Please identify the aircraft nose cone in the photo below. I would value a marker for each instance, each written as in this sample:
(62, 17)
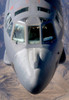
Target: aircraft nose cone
(32, 74)
(27, 74)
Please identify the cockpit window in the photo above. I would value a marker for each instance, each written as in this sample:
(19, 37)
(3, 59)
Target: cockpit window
(8, 24)
(18, 34)
(34, 34)
(48, 33)
(44, 9)
(21, 10)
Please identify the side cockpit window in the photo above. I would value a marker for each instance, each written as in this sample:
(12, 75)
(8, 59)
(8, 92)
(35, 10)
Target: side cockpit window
(42, 9)
(34, 34)
(48, 34)
(8, 24)
(18, 34)
(21, 11)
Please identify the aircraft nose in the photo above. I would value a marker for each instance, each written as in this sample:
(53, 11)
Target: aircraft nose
(30, 72)
(27, 75)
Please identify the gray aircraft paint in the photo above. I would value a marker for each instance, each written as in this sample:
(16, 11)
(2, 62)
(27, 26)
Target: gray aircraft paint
(34, 64)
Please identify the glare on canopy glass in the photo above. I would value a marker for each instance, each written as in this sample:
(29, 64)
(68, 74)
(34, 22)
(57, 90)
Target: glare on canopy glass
(48, 34)
(18, 34)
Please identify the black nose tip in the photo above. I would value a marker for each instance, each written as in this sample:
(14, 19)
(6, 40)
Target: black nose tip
(36, 90)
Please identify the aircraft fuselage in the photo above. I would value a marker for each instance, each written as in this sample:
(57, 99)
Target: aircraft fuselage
(33, 31)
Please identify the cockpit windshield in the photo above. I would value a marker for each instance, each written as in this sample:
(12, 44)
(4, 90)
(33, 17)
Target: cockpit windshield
(48, 33)
(34, 34)
(19, 33)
